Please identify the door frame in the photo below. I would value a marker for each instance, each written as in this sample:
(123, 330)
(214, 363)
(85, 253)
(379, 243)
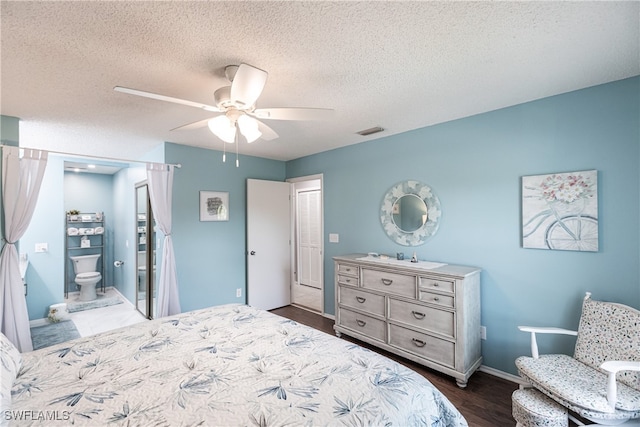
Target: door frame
(149, 252)
(294, 217)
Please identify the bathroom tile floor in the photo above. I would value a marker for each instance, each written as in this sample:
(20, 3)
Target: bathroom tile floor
(91, 322)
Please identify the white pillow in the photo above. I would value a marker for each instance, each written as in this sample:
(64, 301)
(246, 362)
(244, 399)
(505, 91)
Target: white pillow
(10, 364)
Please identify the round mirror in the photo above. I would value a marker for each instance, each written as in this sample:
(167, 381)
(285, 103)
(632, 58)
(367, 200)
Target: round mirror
(409, 213)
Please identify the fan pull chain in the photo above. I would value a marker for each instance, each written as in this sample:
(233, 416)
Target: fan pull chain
(224, 152)
(237, 143)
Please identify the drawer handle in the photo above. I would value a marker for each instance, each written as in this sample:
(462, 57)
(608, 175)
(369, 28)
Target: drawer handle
(348, 269)
(348, 280)
(386, 282)
(436, 299)
(361, 299)
(418, 315)
(418, 343)
(435, 284)
(360, 322)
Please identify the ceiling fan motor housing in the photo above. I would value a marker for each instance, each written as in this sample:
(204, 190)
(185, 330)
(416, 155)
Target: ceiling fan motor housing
(230, 71)
(222, 98)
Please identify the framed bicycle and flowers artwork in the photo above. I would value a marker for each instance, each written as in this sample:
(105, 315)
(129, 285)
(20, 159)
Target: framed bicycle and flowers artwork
(560, 211)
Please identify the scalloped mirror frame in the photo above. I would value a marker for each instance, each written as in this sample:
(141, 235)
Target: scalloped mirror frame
(422, 234)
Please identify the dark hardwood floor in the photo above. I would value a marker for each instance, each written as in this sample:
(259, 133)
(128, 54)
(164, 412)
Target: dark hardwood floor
(485, 402)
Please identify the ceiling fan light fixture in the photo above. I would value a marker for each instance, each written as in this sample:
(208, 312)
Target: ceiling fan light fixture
(222, 127)
(249, 128)
(252, 135)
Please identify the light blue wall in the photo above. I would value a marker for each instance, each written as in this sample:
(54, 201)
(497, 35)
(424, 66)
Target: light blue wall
(89, 192)
(211, 256)
(475, 165)
(9, 130)
(45, 275)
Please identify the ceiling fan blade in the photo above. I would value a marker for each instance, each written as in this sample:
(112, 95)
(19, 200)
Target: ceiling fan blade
(247, 85)
(165, 98)
(194, 125)
(294, 113)
(267, 133)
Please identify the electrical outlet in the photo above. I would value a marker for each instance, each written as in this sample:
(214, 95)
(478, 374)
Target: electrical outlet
(42, 247)
(483, 332)
(334, 238)
(239, 293)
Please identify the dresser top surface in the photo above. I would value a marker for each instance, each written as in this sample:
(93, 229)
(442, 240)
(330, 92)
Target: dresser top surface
(421, 267)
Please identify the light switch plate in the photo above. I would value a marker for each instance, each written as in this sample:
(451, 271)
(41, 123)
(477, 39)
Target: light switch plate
(42, 247)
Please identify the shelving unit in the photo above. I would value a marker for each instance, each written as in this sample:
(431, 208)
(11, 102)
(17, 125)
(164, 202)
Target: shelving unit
(141, 243)
(142, 232)
(90, 228)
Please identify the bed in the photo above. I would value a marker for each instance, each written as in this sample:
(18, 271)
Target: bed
(225, 366)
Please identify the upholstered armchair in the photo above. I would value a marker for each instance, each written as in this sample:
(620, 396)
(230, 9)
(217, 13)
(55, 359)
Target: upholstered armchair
(601, 382)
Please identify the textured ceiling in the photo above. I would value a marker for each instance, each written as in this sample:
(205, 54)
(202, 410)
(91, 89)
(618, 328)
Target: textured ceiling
(398, 65)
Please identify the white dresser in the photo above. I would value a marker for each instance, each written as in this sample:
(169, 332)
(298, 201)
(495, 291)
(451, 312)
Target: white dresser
(425, 312)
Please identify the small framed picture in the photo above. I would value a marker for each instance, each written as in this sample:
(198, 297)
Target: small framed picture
(214, 206)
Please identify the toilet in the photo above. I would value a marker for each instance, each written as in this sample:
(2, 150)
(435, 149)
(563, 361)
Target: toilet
(87, 277)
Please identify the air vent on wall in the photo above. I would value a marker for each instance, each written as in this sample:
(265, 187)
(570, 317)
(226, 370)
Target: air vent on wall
(370, 131)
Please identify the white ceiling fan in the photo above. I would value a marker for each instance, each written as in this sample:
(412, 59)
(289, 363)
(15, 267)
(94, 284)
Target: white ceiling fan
(237, 107)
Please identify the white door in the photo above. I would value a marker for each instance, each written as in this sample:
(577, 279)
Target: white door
(268, 244)
(309, 238)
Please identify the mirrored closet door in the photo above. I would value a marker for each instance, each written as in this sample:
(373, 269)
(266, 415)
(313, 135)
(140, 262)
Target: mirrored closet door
(145, 260)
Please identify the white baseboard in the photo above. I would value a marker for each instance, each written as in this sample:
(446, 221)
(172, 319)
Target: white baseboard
(501, 374)
(125, 299)
(38, 322)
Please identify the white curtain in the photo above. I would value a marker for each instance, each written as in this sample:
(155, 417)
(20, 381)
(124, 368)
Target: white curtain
(21, 179)
(160, 183)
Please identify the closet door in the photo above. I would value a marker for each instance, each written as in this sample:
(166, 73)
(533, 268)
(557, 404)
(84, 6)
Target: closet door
(309, 238)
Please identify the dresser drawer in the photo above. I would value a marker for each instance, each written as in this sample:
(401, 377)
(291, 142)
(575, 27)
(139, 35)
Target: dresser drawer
(431, 283)
(361, 300)
(419, 316)
(441, 300)
(436, 349)
(348, 280)
(394, 283)
(366, 325)
(348, 269)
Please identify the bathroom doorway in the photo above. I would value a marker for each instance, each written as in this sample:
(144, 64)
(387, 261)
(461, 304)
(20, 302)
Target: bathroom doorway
(90, 186)
(89, 228)
(145, 245)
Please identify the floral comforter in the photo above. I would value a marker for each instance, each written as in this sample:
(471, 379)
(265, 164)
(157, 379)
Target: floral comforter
(230, 365)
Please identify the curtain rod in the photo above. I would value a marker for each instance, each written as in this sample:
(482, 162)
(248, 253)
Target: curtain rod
(177, 165)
